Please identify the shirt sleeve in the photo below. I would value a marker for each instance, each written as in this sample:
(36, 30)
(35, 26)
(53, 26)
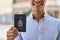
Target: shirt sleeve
(58, 36)
(19, 37)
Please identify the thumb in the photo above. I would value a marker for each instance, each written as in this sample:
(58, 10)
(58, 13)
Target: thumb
(11, 28)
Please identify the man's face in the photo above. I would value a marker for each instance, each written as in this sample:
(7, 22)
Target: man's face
(37, 5)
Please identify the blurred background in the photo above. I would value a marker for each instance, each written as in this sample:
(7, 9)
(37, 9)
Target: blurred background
(10, 7)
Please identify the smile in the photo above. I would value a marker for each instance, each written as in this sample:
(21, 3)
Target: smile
(38, 3)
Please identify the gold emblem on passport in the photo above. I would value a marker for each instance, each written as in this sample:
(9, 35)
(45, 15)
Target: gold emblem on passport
(20, 23)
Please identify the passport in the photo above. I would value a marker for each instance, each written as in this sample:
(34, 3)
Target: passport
(20, 22)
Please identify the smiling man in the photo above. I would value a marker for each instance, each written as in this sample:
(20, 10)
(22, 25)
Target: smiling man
(39, 26)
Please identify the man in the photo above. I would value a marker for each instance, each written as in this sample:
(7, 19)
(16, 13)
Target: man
(39, 26)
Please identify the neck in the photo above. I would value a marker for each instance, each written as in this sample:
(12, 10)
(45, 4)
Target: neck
(38, 16)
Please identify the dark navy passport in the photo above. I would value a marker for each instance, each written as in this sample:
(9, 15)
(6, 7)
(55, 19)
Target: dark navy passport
(20, 22)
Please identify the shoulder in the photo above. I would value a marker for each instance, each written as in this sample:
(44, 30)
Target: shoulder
(52, 19)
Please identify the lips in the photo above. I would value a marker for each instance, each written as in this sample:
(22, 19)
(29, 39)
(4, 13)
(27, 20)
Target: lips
(35, 4)
(38, 3)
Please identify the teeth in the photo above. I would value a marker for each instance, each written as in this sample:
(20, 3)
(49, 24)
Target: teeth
(37, 4)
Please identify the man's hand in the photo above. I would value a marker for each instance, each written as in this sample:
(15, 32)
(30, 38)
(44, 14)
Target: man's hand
(12, 33)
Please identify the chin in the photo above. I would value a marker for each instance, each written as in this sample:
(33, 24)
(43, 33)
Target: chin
(39, 11)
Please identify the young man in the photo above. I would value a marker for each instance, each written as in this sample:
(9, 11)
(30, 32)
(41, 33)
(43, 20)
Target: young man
(39, 26)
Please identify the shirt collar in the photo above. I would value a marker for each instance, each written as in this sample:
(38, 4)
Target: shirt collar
(34, 16)
(44, 17)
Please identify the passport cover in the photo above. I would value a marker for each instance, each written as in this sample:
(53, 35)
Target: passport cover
(20, 22)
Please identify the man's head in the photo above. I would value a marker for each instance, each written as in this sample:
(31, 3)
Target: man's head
(38, 5)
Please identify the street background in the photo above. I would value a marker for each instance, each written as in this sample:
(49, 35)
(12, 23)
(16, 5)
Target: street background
(10, 7)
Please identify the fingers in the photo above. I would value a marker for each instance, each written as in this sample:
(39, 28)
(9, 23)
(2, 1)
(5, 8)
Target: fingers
(14, 30)
(12, 33)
